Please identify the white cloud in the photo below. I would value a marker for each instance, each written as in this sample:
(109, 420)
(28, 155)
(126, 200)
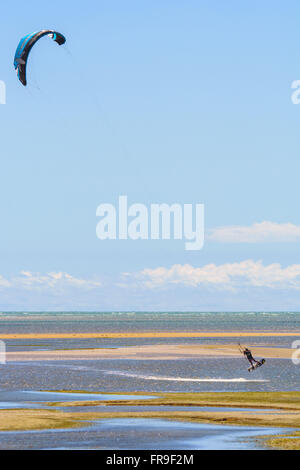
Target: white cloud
(4, 282)
(54, 280)
(230, 276)
(257, 233)
(246, 285)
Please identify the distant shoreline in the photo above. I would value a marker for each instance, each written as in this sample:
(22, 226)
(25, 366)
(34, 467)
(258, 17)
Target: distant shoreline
(151, 334)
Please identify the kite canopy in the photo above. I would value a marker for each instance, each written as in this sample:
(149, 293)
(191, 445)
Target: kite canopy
(25, 46)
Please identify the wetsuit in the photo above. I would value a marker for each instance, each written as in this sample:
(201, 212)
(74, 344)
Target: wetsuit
(249, 356)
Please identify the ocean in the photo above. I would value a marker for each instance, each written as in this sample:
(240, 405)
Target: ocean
(63, 322)
(128, 375)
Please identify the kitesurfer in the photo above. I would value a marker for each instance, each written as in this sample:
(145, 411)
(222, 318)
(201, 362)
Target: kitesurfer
(248, 354)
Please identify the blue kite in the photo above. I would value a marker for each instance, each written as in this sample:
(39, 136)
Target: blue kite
(25, 46)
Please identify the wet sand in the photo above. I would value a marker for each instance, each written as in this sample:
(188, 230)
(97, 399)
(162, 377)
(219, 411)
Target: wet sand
(150, 352)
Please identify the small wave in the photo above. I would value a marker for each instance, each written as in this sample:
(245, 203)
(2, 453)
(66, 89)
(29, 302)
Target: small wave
(182, 379)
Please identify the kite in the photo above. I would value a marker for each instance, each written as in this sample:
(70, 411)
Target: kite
(25, 46)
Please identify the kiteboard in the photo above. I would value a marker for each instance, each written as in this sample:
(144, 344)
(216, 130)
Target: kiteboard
(258, 364)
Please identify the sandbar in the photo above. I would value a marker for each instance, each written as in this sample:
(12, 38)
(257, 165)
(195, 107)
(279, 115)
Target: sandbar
(150, 352)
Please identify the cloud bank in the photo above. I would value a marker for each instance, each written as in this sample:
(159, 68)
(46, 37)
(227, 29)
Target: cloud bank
(227, 276)
(246, 285)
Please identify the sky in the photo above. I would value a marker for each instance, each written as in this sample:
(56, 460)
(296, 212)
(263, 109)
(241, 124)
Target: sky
(164, 102)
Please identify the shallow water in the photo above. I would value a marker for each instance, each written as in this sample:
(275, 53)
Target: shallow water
(127, 433)
(119, 375)
(138, 433)
(22, 382)
(40, 399)
(73, 396)
(5, 405)
(49, 344)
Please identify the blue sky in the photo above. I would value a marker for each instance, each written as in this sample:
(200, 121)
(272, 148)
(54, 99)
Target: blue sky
(163, 101)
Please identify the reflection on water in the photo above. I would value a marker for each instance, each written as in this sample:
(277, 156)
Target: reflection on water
(73, 396)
